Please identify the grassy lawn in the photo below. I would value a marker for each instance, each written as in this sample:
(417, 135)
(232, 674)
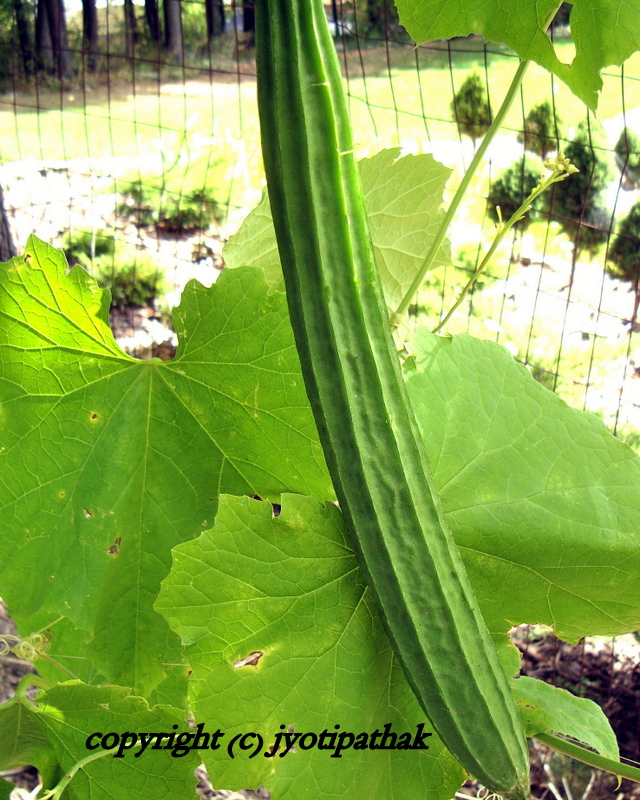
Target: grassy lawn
(196, 132)
(391, 103)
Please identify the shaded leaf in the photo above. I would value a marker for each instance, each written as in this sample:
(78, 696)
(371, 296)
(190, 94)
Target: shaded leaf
(23, 742)
(289, 587)
(542, 500)
(67, 715)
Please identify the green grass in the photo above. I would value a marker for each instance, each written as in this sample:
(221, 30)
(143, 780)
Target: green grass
(203, 133)
(385, 100)
(194, 124)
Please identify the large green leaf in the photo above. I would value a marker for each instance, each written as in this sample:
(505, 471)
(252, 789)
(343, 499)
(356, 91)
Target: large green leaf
(404, 208)
(605, 32)
(288, 590)
(68, 714)
(107, 462)
(543, 503)
(544, 708)
(403, 198)
(24, 743)
(542, 500)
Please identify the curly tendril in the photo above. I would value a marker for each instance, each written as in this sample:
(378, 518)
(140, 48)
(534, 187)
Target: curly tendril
(30, 649)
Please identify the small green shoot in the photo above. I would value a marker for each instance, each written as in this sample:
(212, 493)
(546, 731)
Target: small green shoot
(560, 168)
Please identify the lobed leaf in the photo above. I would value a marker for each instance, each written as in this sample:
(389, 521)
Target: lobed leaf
(542, 500)
(403, 196)
(287, 590)
(605, 32)
(107, 462)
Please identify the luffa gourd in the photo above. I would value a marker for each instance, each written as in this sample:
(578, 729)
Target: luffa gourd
(353, 379)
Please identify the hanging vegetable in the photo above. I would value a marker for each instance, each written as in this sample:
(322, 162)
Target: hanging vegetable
(352, 375)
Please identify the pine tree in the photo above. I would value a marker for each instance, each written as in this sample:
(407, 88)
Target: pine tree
(470, 108)
(578, 203)
(511, 189)
(541, 130)
(627, 151)
(624, 253)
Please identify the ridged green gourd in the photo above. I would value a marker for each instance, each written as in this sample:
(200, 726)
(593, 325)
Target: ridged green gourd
(354, 382)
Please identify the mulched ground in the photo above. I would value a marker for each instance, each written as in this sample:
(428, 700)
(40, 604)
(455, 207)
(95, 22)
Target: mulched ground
(608, 675)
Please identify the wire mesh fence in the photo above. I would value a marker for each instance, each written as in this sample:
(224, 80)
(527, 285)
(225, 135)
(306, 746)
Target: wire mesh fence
(130, 138)
(135, 143)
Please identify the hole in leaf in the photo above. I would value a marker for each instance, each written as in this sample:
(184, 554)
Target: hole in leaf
(276, 507)
(115, 547)
(249, 661)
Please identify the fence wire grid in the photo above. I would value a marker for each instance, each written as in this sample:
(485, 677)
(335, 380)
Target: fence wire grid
(130, 139)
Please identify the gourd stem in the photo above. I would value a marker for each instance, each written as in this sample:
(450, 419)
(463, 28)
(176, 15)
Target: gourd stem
(460, 193)
(589, 757)
(56, 792)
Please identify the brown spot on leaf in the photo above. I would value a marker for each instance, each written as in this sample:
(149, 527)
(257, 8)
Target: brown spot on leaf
(115, 547)
(249, 661)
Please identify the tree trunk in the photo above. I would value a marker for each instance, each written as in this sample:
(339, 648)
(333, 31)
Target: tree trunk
(130, 29)
(24, 37)
(59, 38)
(381, 15)
(153, 20)
(248, 16)
(173, 29)
(90, 33)
(7, 247)
(336, 18)
(44, 46)
(214, 11)
(636, 303)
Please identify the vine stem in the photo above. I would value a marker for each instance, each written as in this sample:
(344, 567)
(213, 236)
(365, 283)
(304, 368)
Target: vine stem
(54, 794)
(561, 168)
(589, 757)
(499, 118)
